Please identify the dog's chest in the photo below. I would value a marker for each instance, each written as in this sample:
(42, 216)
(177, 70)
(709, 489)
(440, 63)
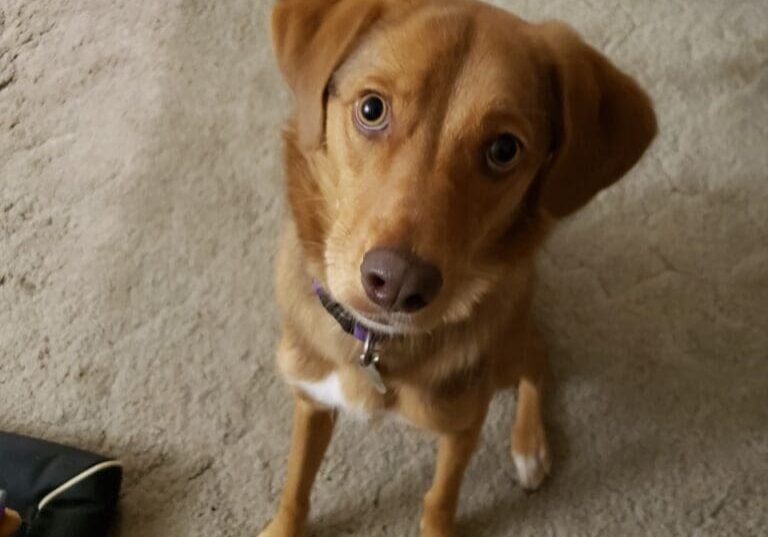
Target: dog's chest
(327, 392)
(352, 393)
(330, 392)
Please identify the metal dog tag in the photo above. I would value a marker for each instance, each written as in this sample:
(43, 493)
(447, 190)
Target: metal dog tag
(369, 361)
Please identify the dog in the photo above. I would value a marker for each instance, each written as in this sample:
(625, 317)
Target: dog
(432, 147)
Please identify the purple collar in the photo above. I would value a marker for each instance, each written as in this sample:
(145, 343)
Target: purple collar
(345, 319)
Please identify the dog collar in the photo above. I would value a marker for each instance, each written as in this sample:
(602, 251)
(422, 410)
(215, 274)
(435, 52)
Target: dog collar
(345, 319)
(369, 359)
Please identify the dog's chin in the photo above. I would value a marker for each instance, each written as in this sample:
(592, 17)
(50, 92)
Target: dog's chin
(403, 324)
(452, 310)
(388, 325)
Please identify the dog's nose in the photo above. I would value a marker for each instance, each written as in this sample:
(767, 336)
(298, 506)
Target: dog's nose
(398, 280)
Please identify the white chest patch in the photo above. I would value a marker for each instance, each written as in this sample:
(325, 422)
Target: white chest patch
(327, 391)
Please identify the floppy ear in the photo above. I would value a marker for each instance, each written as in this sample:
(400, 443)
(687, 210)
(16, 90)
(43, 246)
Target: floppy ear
(311, 38)
(606, 122)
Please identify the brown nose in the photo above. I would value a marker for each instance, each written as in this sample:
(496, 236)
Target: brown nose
(398, 280)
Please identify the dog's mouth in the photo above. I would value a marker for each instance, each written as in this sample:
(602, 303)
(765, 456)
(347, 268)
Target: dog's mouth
(385, 324)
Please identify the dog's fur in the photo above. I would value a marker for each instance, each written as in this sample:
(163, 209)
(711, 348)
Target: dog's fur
(456, 73)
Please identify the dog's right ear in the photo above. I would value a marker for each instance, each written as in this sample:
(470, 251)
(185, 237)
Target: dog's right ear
(311, 38)
(606, 122)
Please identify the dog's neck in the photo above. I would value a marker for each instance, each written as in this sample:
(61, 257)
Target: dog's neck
(369, 357)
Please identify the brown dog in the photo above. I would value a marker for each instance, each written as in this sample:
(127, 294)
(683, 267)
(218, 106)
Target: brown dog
(432, 146)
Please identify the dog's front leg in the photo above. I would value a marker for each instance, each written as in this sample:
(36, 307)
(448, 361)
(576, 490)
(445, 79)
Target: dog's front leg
(530, 451)
(442, 499)
(312, 430)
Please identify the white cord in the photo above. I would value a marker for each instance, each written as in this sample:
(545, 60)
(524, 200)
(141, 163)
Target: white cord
(96, 468)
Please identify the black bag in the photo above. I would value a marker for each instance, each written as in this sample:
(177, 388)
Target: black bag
(59, 491)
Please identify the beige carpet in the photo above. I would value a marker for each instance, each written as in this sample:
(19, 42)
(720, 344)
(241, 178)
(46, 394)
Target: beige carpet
(139, 199)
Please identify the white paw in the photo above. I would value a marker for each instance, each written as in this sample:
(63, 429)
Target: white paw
(532, 469)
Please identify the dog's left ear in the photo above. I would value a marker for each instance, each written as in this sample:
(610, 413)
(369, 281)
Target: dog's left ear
(311, 38)
(605, 124)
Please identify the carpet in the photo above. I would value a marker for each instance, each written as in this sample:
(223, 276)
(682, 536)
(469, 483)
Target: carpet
(140, 196)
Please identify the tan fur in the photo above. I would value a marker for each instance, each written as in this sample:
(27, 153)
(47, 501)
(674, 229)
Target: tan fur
(455, 73)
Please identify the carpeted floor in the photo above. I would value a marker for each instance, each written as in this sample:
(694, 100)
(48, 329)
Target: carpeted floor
(139, 200)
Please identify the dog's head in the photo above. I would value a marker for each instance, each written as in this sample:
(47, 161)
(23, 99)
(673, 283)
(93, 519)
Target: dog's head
(427, 133)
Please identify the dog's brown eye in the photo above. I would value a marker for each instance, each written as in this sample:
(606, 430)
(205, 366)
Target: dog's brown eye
(502, 153)
(372, 113)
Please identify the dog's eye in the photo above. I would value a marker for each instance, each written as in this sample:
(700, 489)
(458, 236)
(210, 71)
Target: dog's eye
(372, 113)
(503, 151)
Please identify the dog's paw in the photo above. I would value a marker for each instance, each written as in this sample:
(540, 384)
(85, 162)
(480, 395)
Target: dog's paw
(436, 526)
(532, 468)
(279, 527)
(271, 531)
